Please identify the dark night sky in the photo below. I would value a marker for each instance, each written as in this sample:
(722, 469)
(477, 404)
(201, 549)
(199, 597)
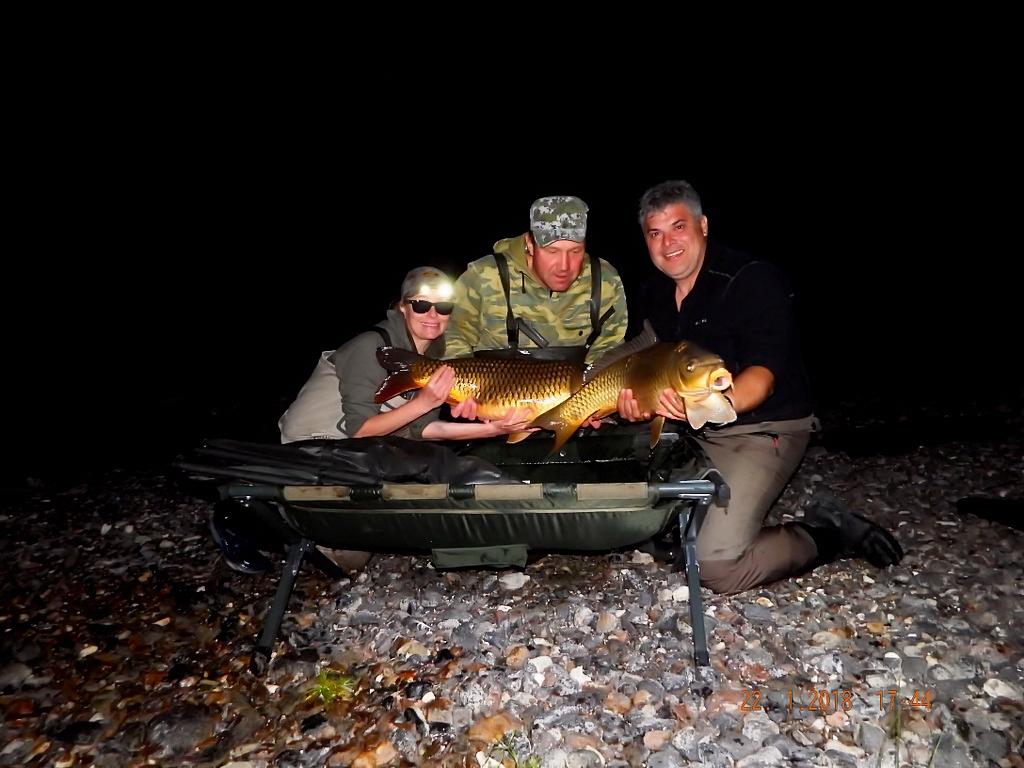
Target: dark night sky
(184, 243)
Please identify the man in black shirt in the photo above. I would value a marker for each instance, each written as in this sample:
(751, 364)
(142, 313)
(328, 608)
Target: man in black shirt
(741, 309)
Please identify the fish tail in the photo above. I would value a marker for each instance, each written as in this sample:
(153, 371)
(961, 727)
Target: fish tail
(395, 384)
(395, 359)
(401, 378)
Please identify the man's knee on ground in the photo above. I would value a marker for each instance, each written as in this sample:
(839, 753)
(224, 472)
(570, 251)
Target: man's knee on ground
(778, 552)
(722, 576)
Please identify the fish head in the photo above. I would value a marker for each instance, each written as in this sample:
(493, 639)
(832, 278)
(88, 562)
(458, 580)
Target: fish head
(693, 371)
(700, 377)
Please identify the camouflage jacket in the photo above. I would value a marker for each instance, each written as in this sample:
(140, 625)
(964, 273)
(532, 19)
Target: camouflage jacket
(478, 321)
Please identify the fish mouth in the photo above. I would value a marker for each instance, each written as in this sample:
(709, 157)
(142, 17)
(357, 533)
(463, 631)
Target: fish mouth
(721, 379)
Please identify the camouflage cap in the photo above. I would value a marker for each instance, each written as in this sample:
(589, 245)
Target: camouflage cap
(425, 280)
(558, 218)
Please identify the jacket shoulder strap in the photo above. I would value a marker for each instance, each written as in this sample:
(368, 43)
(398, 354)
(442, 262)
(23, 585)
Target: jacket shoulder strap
(596, 322)
(511, 326)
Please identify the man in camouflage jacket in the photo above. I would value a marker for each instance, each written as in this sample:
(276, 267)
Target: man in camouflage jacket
(550, 289)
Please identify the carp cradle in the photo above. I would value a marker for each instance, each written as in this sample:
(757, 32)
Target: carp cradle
(484, 503)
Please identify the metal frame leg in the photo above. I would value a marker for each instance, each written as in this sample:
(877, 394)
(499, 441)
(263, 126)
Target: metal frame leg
(689, 526)
(260, 658)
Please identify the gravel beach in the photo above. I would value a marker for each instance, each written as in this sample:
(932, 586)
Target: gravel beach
(124, 638)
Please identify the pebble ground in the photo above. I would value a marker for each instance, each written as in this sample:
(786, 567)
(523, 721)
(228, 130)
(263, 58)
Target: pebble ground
(124, 641)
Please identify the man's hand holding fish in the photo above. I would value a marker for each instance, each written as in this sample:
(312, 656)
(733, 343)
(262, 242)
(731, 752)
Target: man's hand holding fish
(749, 389)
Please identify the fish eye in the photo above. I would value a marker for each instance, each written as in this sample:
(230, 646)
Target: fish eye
(689, 367)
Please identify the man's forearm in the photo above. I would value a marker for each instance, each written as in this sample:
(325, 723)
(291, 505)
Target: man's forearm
(750, 387)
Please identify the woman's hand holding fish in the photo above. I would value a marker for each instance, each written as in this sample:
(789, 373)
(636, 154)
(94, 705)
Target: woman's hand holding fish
(436, 390)
(513, 421)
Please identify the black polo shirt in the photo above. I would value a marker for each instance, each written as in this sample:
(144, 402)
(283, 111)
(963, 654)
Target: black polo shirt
(741, 309)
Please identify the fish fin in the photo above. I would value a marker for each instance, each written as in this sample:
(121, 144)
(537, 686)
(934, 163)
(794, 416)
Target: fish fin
(518, 437)
(600, 414)
(715, 409)
(395, 384)
(554, 421)
(656, 427)
(648, 338)
(562, 434)
(396, 359)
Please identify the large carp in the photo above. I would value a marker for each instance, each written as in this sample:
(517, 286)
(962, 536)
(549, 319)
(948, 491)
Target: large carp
(648, 368)
(497, 385)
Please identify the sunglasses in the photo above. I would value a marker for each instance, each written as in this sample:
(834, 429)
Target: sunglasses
(422, 306)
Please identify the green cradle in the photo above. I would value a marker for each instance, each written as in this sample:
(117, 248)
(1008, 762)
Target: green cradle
(603, 491)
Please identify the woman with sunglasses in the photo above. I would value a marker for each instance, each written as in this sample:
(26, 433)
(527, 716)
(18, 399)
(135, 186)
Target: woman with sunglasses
(338, 399)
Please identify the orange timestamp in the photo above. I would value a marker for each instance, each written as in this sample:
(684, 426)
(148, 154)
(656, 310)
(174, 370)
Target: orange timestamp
(824, 700)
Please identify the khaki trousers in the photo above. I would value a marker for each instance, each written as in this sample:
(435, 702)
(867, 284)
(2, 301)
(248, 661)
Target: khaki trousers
(757, 460)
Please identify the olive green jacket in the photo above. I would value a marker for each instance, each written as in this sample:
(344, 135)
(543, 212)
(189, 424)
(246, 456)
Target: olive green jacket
(478, 321)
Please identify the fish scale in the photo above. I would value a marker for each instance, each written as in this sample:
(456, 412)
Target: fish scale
(696, 375)
(497, 386)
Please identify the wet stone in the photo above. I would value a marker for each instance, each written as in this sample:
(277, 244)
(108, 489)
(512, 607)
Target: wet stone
(78, 732)
(555, 758)
(762, 758)
(12, 676)
(992, 745)
(737, 745)
(952, 753)
(584, 758)
(716, 755)
(727, 721)
(295, 663)
(363, 618)
(978, 719)
(666, 758)
(997, 688)
(130, 738)
(758, 727)
(16, 752)
(178, 731)
(757, 614)
(870, 737)
(431, 598)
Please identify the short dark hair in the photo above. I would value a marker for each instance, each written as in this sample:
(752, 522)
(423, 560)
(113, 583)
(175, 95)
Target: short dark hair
(667, 193)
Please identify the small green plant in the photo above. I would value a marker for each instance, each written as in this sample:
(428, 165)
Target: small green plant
(894, 731)
(577, 567)
(330, 685)
(505, 748)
